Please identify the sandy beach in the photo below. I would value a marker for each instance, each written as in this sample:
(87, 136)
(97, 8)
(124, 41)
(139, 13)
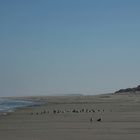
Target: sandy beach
(68, 118)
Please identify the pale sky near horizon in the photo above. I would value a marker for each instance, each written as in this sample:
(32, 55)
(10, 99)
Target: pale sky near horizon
(52, 47)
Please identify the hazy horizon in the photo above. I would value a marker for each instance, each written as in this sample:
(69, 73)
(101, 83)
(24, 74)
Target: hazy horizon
(51, 47)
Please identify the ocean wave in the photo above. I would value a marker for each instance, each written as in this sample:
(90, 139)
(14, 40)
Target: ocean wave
(9, 105)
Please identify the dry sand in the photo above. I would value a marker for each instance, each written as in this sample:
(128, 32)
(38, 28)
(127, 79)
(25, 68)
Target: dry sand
(120, 119)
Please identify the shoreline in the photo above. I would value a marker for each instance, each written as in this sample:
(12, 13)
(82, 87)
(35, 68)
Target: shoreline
(28, 103)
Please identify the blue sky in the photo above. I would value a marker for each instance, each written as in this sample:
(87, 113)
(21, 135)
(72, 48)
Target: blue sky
(68, 46)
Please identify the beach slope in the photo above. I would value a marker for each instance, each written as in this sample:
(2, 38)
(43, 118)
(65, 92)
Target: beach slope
(114, 117)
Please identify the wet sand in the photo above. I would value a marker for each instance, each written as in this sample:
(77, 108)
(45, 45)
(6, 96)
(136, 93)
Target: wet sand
(68, 118)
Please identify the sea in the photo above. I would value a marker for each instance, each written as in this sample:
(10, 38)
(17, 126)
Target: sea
(10, 105)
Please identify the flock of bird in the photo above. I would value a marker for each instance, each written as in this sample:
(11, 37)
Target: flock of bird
(57, 111)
